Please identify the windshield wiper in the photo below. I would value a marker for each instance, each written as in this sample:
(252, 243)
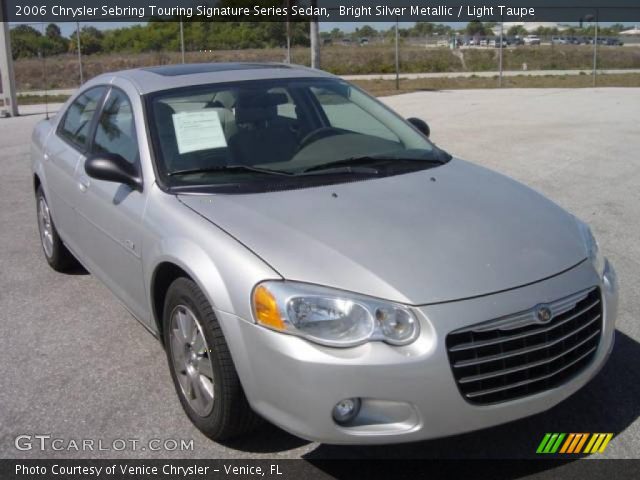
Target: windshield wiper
(228, 168)
(351, 162)
(324, 170)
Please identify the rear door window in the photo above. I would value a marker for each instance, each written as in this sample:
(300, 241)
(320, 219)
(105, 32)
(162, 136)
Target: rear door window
(76, 123)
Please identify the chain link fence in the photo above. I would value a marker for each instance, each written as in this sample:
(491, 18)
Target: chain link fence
(383, 56)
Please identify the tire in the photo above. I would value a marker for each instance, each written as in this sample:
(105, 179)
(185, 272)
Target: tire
(201, 365)
(57, 255)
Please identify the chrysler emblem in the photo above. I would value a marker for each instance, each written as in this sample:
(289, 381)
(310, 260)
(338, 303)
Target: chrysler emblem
(543, 314)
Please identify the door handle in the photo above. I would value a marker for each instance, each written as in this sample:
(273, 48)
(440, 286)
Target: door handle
(83, 184)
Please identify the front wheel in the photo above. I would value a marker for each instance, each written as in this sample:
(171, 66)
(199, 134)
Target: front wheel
(201, 365)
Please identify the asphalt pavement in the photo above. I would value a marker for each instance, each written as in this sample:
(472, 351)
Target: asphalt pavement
(77, 366)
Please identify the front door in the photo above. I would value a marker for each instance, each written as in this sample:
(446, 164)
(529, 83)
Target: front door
(110, 214)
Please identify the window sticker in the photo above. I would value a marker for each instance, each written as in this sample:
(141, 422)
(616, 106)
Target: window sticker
(199, 130)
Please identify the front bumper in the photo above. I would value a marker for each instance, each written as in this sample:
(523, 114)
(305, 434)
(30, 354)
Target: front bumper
(408, 393)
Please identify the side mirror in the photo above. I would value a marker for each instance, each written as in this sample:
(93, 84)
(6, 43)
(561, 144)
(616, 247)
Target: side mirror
(112, 167)
(421, 125)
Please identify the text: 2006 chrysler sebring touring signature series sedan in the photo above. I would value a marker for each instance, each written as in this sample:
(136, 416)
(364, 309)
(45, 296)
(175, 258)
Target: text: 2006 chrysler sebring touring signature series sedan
(309, 257)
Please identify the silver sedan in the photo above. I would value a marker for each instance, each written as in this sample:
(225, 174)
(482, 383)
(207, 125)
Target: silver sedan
(308, 257)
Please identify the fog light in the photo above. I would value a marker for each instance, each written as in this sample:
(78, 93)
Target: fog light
(346, 410)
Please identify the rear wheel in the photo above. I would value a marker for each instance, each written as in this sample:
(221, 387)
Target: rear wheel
(57, 255)
(201, 365)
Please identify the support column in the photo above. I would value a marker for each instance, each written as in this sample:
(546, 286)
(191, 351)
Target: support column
(6, 70)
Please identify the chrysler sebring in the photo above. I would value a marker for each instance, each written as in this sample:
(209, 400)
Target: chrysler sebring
(309, 257)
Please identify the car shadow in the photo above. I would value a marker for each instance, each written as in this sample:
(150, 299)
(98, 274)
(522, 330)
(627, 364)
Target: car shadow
(267, 439)
(121, 194)
(76, 269)
(609, 403)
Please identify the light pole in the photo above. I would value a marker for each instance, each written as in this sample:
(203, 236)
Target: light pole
(45, 80)
(314, 33)
(288, 57)
(595, 51)
(501, 45)
(288, 25)
(593, 18)
(79, 52)
(397, 58)
(182, 39)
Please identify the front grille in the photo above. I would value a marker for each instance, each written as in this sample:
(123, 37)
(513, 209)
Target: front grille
(516, 356)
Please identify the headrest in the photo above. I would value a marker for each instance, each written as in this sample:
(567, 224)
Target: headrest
(162, 110)
(258, 107)
(214, 104)
(227, 98)
(164, 116)
(261, 100)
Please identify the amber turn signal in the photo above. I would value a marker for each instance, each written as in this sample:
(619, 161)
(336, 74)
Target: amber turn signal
(266, 309)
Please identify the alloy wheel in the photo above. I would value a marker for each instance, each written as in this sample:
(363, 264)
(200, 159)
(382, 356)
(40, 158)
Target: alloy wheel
(191, 358)
(46, 227)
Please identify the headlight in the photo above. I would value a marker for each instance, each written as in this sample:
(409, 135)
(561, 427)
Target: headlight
(593, 249)
(331, 317)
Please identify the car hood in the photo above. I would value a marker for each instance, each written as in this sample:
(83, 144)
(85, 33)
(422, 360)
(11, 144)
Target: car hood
(442, 234)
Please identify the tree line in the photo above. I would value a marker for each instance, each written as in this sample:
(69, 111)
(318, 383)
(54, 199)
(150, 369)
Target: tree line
(27, 41)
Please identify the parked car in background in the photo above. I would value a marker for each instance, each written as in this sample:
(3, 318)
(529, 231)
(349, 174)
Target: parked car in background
(308, 256)
(495, 42)
(613, 42)
(607, 41)
(532, 40)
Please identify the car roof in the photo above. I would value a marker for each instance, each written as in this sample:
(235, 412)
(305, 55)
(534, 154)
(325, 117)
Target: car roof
(165, 77)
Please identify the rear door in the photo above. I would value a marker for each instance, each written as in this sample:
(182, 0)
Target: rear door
(109, 213)
(63, 153)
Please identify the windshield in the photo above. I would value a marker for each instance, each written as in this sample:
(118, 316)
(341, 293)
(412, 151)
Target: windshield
(280, 134)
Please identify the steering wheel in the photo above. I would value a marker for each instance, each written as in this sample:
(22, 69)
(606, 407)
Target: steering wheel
(318, 134)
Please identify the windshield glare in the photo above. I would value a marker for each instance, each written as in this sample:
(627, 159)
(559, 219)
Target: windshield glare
(206, 135)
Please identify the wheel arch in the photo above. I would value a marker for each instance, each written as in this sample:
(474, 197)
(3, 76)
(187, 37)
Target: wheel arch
(164, 275)
(168, 269)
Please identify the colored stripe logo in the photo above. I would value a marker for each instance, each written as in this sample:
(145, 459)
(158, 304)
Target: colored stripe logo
(574, 443)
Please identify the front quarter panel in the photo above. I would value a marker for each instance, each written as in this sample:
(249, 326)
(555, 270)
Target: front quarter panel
(225, 270)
